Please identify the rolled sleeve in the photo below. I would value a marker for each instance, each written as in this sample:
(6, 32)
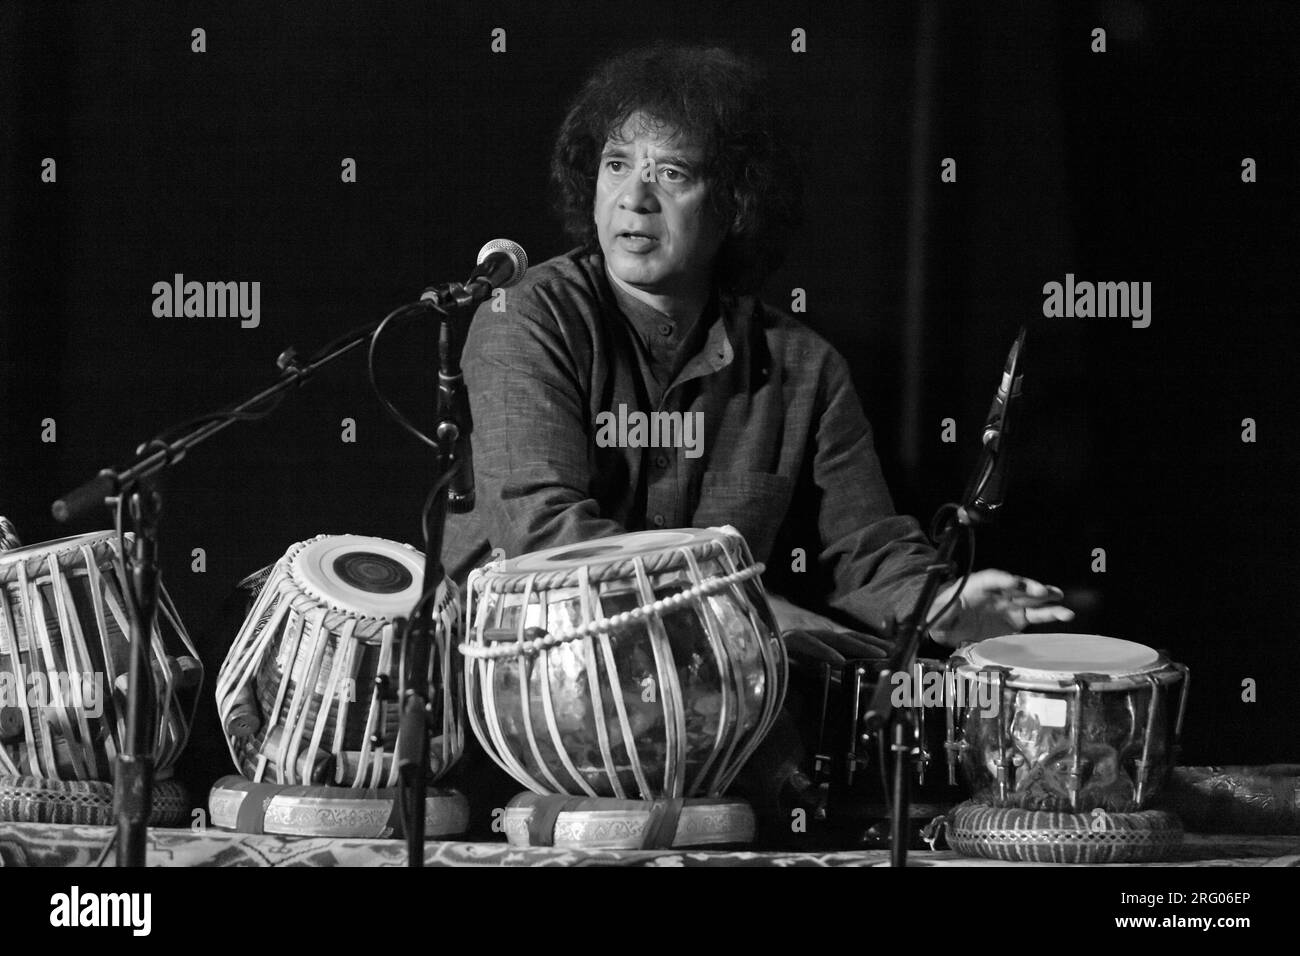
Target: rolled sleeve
(531, 437)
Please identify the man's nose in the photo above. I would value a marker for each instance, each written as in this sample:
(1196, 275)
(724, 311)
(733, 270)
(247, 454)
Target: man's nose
(639, 194)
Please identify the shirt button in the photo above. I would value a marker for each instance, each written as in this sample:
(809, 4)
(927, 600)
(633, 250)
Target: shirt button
(665, 329)
(658, 521)
(661, 461)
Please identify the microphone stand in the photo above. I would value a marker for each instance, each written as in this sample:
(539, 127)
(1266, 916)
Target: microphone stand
(133, 782)
(982, 502)
(421, 695)
(137, 488)
(882, 717)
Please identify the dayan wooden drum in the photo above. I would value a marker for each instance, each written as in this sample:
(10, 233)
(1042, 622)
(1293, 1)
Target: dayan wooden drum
(65, 621)
(1063, 740)
(643, 666)
(297, 694)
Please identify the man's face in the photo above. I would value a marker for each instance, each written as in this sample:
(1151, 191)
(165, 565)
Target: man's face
(651, 210)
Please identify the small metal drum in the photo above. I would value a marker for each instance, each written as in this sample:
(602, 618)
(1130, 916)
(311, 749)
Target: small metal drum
(846, 692)
(644, 665)
(297, 694)
(852, 771)
(1064, 722)
(65, 631)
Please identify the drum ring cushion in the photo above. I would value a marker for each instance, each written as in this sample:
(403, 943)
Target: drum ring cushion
(243, 806)
(1041, 836)
(85, 802)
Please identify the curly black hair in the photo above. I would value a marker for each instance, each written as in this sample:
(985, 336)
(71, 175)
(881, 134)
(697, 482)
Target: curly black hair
(717, 99)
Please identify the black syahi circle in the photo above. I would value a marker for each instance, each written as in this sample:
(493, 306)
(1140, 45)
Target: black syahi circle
(373, 573)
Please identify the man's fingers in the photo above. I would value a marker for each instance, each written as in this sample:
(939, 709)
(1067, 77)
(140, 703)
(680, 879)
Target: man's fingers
(998, 583)
(1035, 589)
(1050, 599)
(1042, 615)
(992, 579)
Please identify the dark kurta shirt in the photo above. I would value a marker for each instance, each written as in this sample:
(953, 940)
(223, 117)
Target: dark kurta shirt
(785, 455)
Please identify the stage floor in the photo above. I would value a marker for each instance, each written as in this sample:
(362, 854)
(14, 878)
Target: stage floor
(69, 845)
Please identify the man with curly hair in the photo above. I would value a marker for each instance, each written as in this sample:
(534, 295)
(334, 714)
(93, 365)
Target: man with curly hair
(682, 194)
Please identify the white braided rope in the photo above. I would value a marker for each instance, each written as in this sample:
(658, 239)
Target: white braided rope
(603, 625)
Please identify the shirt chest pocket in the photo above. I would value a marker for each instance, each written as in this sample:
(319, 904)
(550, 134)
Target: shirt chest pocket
(753, 502)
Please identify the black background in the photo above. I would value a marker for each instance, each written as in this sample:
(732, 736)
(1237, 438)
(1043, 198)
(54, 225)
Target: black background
(1122, 166)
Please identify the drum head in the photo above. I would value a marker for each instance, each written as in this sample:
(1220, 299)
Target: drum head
(372, 577)
(614, 548)
(1052, 659)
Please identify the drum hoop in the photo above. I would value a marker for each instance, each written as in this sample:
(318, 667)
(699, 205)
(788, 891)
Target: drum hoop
(292, 585)
(597, 572)
(1162, 669)
(64, 551)
(532, 646)
(368, 629)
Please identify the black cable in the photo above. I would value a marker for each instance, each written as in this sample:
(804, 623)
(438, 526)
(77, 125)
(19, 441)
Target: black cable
(389, 407)
(970, 563)
(429, 500)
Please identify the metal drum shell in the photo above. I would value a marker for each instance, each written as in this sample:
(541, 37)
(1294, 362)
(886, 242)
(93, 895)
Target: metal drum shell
(1046, 740)
(691, 681)
(74, 591)
(303, 650)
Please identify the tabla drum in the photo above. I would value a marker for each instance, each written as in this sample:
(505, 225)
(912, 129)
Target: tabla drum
(297, 692)
(1065, 722)
(65, 624)
(829, 767)
(860, 770)
(643, 666)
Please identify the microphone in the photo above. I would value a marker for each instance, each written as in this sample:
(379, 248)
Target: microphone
(983, 498)
(501, 263)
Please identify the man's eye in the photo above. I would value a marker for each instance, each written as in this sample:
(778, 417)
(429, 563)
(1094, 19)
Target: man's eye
(610, 164)
(671, 175)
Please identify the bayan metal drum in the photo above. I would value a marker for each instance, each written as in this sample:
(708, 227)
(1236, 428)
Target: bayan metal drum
(643, 666)
(299, 694)
(1064, 722)
(65, 623)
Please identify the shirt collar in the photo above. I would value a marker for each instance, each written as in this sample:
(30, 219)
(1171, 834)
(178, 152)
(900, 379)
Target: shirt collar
(728, 325)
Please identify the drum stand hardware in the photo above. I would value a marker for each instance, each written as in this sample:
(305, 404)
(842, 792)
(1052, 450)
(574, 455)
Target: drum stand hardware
(954, 747)
(1144, 762)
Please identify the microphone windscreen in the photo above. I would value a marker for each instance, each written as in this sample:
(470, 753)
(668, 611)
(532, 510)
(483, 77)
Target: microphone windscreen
(518, 259)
